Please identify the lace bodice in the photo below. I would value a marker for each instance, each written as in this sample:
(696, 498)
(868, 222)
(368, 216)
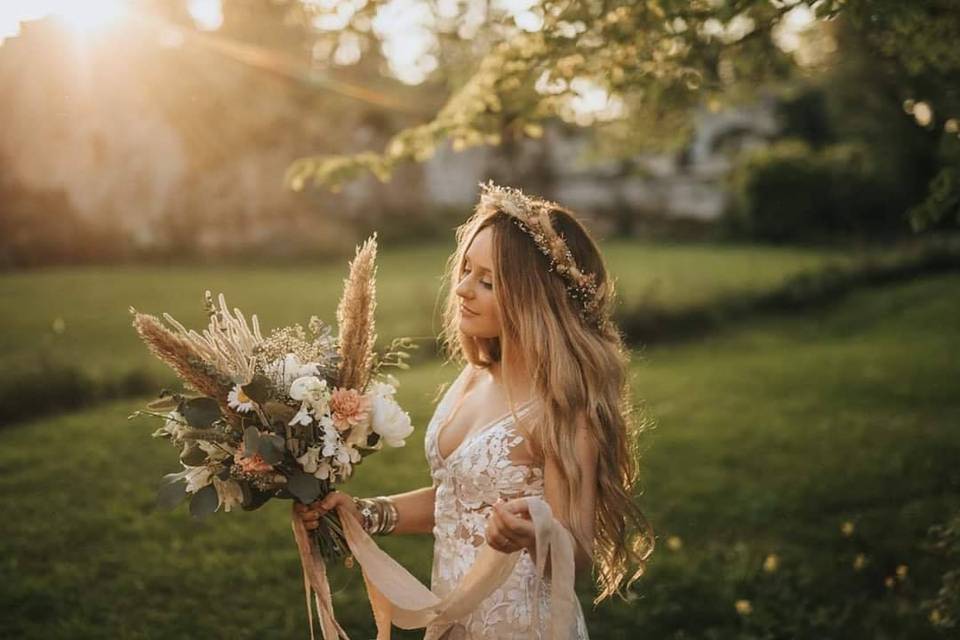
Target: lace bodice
(482, 469)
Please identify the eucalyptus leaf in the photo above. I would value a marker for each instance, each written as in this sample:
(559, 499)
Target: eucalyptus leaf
(279, 414)
(204, 502)
(193, 456)
(258, 389)
(253, 498)
(271, 448)
(170, 495)
(251, 441)
(200, 412)
(303, 486)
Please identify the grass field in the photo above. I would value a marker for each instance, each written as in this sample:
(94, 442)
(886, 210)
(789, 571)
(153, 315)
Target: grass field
(769, 436)
(89, 305)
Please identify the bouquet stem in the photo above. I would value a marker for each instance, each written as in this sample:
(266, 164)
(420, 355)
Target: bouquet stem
(330, 539)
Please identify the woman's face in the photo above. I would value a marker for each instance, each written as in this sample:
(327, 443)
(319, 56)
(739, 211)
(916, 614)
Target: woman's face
(479, 314)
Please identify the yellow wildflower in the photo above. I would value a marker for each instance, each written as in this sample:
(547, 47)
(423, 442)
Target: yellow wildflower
(901, 571)
(859, 562)
(743, 607)
(888, 582)
(771, 563)
(674, 543)
(936, 616)
(847, 528)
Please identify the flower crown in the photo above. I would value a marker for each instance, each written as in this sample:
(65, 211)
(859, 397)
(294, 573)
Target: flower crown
(532, 215)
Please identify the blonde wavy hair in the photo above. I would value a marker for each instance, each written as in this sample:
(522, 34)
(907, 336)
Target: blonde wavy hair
(577, 368)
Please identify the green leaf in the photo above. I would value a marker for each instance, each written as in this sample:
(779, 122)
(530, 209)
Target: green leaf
(253, 498)
(193, 456)
(170, 495)
(200, 412)
(204, 502)
(303, 486)
(279, 415)
(271, 448)
(251, 441)
(259, 389)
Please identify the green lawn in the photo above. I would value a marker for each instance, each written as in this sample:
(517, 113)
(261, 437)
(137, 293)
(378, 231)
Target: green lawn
(91, 303)
(768, 437)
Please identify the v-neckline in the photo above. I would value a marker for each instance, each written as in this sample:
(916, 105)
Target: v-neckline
(490, 425)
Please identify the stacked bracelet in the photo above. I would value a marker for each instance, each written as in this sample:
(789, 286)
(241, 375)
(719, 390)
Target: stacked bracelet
(379, 514)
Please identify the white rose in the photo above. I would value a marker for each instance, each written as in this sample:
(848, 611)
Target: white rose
(306, 387)
(313, 392)
(383, 389)
(284, 371)
(390, 421)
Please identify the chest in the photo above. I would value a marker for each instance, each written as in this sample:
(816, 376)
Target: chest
(472, 412)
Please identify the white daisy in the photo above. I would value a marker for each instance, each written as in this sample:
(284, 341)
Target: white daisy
(238, 400)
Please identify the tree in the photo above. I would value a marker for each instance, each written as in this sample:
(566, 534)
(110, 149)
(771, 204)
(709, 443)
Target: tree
(660, 58)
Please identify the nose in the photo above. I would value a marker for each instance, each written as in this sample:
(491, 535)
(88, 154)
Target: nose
(464, 288)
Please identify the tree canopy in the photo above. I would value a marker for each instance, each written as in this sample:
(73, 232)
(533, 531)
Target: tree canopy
(653, 62)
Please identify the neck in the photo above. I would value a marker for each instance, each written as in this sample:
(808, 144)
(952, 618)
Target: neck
(514, 378)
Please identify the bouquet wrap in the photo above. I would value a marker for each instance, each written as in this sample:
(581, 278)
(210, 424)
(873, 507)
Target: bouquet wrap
(399, 598)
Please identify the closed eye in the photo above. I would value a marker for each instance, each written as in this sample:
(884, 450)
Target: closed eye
(466, 271)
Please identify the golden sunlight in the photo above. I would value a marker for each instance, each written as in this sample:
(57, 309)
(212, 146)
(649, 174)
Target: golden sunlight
(81, 17)
(86, 17)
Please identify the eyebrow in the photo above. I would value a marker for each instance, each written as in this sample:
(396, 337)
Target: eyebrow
(484, 269)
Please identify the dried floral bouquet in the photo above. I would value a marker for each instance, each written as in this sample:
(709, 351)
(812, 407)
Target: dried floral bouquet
(287, 416)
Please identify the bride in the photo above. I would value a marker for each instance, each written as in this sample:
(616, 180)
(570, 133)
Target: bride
(540, 409)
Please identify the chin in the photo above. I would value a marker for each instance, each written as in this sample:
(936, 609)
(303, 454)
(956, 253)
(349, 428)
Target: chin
(470, 329)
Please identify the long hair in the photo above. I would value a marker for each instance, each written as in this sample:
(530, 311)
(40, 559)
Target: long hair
(577, 370)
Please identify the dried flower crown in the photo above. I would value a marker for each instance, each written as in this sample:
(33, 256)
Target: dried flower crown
(532, 215)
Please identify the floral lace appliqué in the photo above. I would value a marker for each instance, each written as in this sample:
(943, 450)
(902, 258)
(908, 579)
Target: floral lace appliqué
(468, 483)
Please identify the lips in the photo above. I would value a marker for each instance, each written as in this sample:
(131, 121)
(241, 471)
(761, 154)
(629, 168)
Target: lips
(466, 311)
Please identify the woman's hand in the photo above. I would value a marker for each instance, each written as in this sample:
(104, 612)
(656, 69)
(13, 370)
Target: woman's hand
(311, 513)
(510, 528)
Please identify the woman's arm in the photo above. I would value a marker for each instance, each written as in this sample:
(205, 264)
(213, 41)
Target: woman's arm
(414, 511)
(510, 528)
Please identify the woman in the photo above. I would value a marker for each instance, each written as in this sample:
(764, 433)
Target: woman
(540, 409)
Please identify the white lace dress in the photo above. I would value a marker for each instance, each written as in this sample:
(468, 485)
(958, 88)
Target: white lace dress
(469, 481)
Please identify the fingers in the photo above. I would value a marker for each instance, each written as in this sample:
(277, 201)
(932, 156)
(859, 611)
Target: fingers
(500, 536)
(517, 506)
(310, 518)
(500, 542)
(311, 513)
(514, 526)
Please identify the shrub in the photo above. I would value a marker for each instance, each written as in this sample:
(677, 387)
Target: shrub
(790, 192)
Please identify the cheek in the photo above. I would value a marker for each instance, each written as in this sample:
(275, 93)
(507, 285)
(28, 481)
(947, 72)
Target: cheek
(490, 309)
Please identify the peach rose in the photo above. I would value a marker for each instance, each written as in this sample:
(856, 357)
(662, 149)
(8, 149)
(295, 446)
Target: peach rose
(348, 408)
(251, 464)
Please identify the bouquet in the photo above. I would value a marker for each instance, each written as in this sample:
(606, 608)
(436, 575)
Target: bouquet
(284, 416)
